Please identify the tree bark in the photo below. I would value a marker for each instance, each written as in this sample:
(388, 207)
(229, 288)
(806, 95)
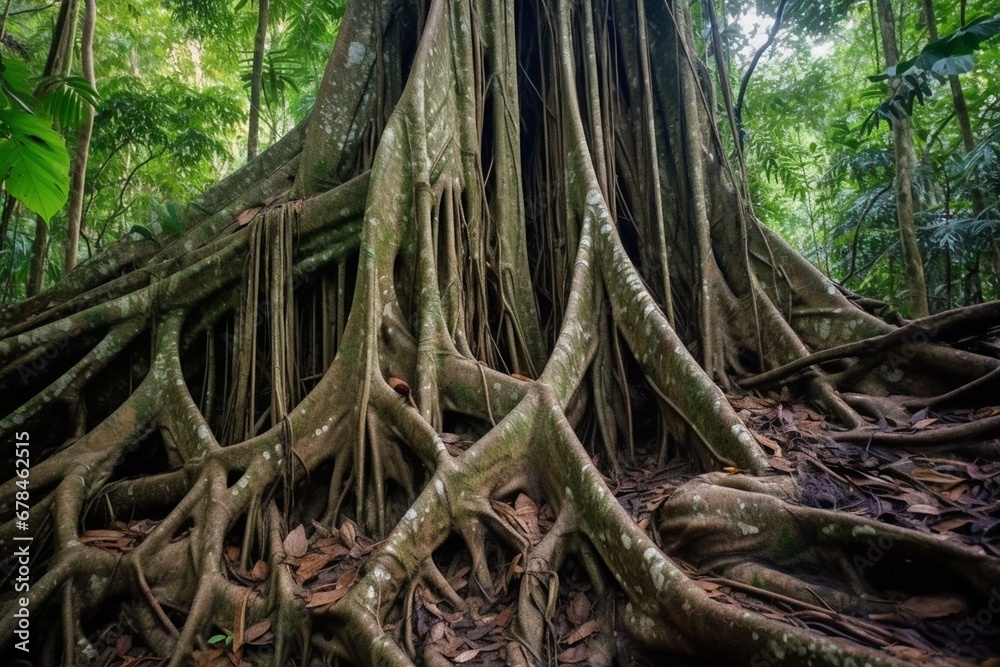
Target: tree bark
(39, 253)
(256, 77)
(905, 167)
(74, 216)
(59, 63)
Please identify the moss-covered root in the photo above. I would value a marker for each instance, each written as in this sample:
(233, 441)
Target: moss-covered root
(665, 608)
(715, 521)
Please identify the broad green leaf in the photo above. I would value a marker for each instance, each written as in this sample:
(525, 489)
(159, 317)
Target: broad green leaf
(33, 162)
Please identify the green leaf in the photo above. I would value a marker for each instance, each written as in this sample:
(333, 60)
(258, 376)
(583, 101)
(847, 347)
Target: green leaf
(33, 162)
(218, 639)
(66, 98)
(144, 232)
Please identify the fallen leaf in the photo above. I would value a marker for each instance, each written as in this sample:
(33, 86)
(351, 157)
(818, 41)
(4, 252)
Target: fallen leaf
(949, 524)
(248, 215)
(348, 534)
(240, 620)
(259, 571)
(924, 423)
(934, 477)
(934, 606)
(573, 655)
(311, 565)
(295, 543)
(923, 509)
(582, 632)
(322, 598)
(578, 609)
(256, 632)
(768, 443)
(506, 616)
(399, 386)
(210, 658)
(123, 645)
(466, 656)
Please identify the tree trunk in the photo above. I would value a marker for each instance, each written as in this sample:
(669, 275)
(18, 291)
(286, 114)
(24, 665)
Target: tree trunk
(406, 389)
(902, 136)
(256, 77)
(74, 217)
(59, 63)
(39, 253)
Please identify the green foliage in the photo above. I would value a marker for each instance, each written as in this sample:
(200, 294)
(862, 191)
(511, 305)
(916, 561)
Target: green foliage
(949, 56)
(836, 203)
(65, 99)
(34, 164)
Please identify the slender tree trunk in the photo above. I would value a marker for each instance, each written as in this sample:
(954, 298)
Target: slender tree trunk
(256, 77)
(962, 114)
(59, 62)
(903, 146)
(39, 252)
(8, 210)
(74, 220)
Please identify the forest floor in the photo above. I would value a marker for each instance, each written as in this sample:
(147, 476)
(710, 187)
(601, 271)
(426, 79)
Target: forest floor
(954, 497)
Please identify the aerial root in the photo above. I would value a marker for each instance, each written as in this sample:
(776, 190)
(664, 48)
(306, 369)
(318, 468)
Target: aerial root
(942, 326)
(536, 600)
(284, 603)
(980, 430)
(154, 604)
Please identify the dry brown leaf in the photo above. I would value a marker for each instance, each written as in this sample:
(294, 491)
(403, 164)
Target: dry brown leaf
(399, 386)
(321, 598)
(506, 616)
(573, 655)
(768, 443)
(923, 509)
(510, 516)
(526, 508)
(956, 492)
(949, 524)
(934, 606)
(240, 622)
(213, 657)
(295, 543)
(311, 565)
(924, 423)
(248, 215)
(123, 645)
(908, 653)
(324, 598)
(466, 656)
(437, 632)
(523, 378)
(256, 632)
(934, 477)
(582, 632)
(348, 533)
(514, 570)
(259, 571)
(782, 464)
(578, 609)
(440, 613)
